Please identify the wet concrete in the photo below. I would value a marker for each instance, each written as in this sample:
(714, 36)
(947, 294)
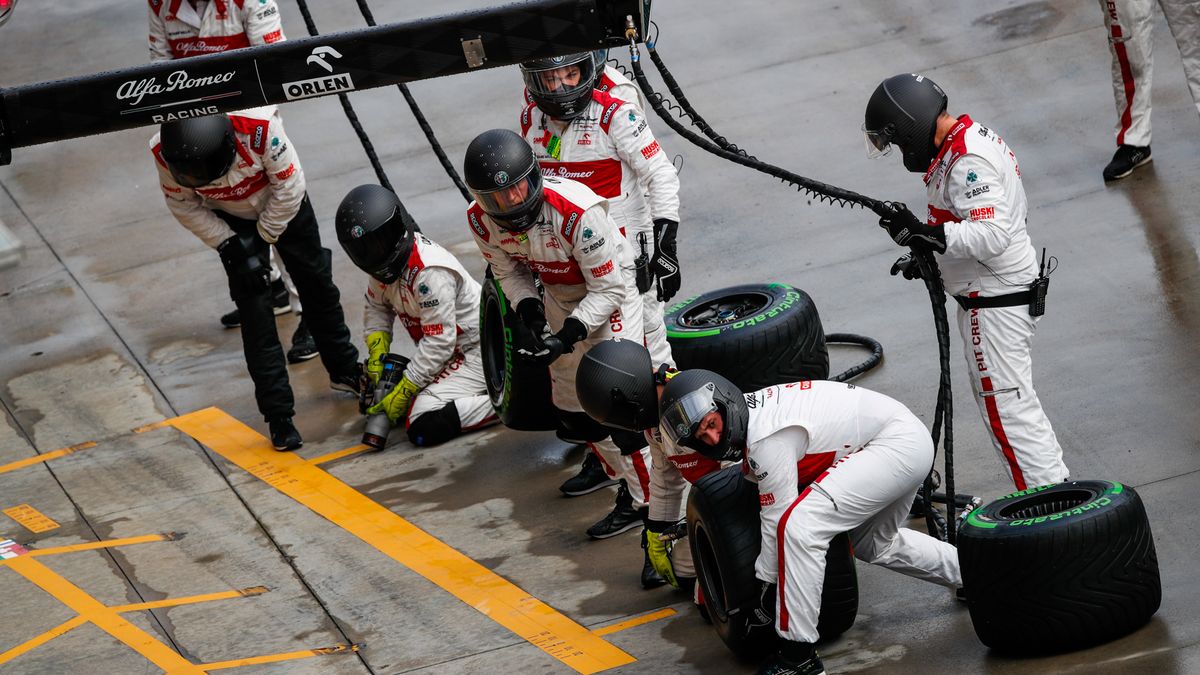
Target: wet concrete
(111, 322)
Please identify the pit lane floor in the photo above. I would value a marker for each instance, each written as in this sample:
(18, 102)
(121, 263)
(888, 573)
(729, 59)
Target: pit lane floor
(188, 545)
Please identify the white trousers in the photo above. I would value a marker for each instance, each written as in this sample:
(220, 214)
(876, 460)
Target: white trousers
(461, 383)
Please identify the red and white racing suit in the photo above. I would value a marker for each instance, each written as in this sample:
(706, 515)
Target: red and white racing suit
(975, 193)
(673, 469)
(831, 457)
(611, 149)
(582, 261)
(178, 30)
(1130, 25)
(437, 302)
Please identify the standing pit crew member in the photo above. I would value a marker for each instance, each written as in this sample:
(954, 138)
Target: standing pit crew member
(976, 220)
(437, 302)
(605, 142)
(236, 183)
(828, 457)
(560, 230)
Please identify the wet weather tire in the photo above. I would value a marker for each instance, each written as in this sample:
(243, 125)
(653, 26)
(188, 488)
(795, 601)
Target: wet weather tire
(1060, 567)
(755, 334)
(723, 531)
(519, 392)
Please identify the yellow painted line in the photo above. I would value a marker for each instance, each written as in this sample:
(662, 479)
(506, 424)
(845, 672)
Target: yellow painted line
(474, 584)
(286, 656)
(40, 640)
(45, 457)
(352, 450)
(635, 621)
(107, 543)
(30, 518)
(191, 599)
(162, 424)
(102, 617)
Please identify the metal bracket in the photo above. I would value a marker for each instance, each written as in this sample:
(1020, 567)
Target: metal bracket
(473, 51)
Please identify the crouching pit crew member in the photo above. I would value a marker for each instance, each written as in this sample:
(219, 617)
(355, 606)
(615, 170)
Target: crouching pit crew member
(442, 392)
(560, 230)
(828, 458)
(976, 220)
(235, 181)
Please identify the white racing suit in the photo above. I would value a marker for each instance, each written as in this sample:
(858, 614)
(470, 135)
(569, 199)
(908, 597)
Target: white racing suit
(611, 149)
(1130, 25)
(178, 31)
(437, 302)
(672, 469)
(828, 458)
(975, 193)
(582, 261)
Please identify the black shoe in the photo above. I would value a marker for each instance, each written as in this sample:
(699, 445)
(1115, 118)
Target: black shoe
(622, 518)
(780, 665)
(280, 304)
(284, 435)
(349, 382)
(303, 346)
(591, 477)
(650, 577)
(1127, 158)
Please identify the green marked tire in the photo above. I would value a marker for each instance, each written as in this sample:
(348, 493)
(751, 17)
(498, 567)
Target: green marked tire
(756, 335)
(1059, 567)
(520, 392)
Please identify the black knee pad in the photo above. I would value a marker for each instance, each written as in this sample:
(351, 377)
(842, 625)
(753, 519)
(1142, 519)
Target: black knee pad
(628, 441)
(435, 427)
(577, 427)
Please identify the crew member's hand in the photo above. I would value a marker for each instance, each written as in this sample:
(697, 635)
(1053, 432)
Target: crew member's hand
(533, 315)
(906, 230)
(665, 263)
(379, 344)
(761, 611)
(545, 350)
(396, 403)
(659, 553)
(908, 266)
(244, 258)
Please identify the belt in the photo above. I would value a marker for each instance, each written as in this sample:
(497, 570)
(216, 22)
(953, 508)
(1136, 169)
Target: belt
(1009, 300)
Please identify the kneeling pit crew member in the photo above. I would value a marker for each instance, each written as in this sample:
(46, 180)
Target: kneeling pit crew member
(442, 392)
(235, 181)
(828, 457)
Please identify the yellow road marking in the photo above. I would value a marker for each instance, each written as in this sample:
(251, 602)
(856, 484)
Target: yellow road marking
(45, 457)
(474, 584)
(107, 543)
(40, 640)
(635, 621)
(152, 426)
(104, 618)
(352, 450)
(30, 518)
(191, 599)
(286, 656)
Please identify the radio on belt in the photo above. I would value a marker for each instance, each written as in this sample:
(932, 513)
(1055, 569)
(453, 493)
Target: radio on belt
(1039, 288)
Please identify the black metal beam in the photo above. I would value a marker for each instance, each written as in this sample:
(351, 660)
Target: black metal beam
(307, 68)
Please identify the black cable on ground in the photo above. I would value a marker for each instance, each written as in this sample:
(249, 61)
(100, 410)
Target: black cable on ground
(863, 341)
(420, 117)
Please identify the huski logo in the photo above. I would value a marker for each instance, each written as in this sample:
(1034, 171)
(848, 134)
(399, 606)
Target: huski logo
(135, 90)
(319, 86)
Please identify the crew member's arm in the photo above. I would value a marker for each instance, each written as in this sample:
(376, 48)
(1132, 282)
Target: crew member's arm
(261, 19)
(599, 258)
(439, 327)
(985, 228)
(773, 467)
(666, 487)
(378, 318)
(639, 150)
(160, 49)
(287, 183)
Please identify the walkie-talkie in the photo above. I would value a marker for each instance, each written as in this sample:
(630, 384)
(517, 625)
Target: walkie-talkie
(1038, 289)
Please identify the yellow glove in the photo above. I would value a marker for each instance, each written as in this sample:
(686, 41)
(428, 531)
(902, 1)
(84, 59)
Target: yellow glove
(396, 403)
(379, 344)
(659, 553)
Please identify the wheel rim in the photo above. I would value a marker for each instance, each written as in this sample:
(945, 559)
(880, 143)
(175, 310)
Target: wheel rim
(714, 590)
(724, 310)
(1046, 503)
(495, 352)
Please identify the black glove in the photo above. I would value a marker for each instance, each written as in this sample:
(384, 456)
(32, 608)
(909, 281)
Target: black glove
(244, 258)
(906, 230)
(761, 610)
(907, 265)
(665, 263)
(533, 315)
(545, 350)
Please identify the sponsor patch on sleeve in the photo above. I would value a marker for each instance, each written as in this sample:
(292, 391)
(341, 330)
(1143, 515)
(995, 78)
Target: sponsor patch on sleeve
(767, 499)
(273, 36)
(983, 213)
(286, 173)
(432, 329)
(602, 270)
(477, 225)
(650, 150)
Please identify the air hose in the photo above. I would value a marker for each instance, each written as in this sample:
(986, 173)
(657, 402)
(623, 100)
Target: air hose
(718, 145)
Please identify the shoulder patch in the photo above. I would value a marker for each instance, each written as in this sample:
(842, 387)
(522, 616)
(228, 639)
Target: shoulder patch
(571, 213)
(475, 220)
(157, 150)
(610, 104)
(254, 129)
(527, 118)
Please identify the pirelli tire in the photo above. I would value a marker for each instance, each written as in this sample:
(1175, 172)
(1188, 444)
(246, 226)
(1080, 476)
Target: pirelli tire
(756, 335)
(1059, 567)
(519, 391)
(723, 531)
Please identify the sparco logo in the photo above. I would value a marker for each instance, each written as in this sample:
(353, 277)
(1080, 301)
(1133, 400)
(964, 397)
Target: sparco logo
(135, 90)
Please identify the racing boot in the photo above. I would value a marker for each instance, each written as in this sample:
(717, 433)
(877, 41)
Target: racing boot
(303, 345)
(794, 658)
(591, 477)
(622, 518)
(284, 435)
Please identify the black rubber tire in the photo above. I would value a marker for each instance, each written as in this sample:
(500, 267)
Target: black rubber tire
(520, 392)
(755, 334)
(723, 531)
(1060, 567)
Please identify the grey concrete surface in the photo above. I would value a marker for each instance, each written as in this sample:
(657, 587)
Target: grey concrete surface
(110, 322)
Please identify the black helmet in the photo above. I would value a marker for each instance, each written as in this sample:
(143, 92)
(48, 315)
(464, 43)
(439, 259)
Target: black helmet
(498, 163)
(562, 85)
(691, 395)
(198, 150)
(904, 110)
(370, 227)
(615, 385)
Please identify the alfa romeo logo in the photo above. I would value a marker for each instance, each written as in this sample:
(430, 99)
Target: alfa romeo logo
(501, 178)
(356, 232)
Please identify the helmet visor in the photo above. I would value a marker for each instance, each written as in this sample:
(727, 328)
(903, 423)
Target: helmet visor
(682, 418)
(506, 203)
(879, 143)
